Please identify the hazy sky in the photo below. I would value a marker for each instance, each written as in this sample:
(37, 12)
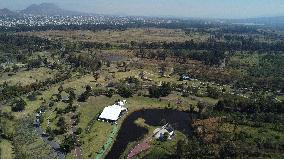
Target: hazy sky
(183, 8)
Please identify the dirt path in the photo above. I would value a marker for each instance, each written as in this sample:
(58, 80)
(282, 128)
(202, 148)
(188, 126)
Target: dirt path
(55, 146)
(77, 150)
(139, 148)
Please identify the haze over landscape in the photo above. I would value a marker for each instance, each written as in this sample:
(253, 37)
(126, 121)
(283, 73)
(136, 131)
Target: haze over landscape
(143, 79)
(177, 8)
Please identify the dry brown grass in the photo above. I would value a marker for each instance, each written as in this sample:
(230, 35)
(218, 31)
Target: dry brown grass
(137, 35)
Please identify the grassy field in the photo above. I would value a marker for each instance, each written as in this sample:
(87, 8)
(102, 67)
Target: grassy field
(137, 35)
(93, 140)
(6, 149)
(161, 149)
(99, 131)
(28, 77)
(281, 98)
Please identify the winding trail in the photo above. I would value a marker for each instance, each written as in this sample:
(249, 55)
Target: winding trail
(55, 146)
(78, 151)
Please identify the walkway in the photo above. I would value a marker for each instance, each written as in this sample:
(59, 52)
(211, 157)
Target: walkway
(139, 148)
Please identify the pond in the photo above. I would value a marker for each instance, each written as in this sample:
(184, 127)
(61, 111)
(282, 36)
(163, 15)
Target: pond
(130, 132)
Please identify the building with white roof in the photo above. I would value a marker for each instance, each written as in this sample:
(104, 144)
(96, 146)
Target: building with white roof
(113, 113)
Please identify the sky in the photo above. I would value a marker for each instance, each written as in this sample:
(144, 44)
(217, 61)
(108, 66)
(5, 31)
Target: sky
(177, 8)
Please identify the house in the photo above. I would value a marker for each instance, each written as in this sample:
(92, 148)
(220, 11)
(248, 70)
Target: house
(159, 133)
(114, 112)
(185, 77)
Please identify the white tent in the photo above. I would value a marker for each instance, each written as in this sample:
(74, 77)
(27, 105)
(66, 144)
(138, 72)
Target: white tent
(112, 113)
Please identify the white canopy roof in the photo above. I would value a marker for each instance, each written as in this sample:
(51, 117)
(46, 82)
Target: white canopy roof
(112, 112)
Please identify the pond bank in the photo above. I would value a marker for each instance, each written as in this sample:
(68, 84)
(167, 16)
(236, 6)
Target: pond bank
(130, 132)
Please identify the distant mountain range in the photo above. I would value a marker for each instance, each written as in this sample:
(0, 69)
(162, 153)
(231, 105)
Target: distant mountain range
(7, 12)
(41, 9)
(51, 9)
(48, 9)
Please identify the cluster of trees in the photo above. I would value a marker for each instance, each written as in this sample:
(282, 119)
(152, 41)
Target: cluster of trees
(128, 87)
(85, 95)
(9, 92)
(160, 91)
(210, 57)
(261, 104)
(261, 113)
(68, 143)
(85, 60)
(24, 136)
(18, 105)
(267, 73)
(243, 45)
(193, 148)
(14, 43)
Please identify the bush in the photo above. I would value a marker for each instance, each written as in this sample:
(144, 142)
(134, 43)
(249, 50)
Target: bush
(18, 105)
(110, 93)
(78, 131)
(125, 91)
(83, 97)
(68, 143)
(161, 91)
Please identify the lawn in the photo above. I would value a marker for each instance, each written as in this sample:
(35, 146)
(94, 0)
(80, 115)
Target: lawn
(6, 149)
(281, 98)
(28, 77)
(100, 131)
(93, 140)
(162, 149)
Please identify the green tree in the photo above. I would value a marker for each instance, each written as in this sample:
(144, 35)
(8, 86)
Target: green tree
(125, 91)
(68, 143)
(18, 105)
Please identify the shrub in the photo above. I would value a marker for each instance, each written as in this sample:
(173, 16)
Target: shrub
(18, 105)
(125, 91)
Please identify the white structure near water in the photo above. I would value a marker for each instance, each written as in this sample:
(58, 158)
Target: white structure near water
(160, 132)
(114, 112)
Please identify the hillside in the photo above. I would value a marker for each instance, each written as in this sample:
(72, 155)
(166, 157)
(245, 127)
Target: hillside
(47, 9)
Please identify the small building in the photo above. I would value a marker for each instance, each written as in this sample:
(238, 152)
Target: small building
(159, 133)
(185, 77)
(114, 112)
